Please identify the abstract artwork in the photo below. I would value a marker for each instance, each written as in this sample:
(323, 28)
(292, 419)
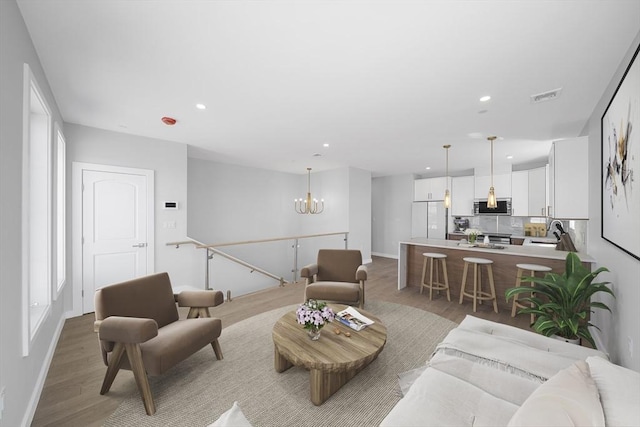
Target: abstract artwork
(621, 163)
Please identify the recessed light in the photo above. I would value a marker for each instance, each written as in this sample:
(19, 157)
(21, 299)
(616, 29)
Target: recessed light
(325, 145)
(201, 106)
(428, 167)
(485, 98)
(509, 157)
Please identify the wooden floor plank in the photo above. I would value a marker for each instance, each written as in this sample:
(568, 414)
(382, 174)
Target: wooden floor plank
(70, 396)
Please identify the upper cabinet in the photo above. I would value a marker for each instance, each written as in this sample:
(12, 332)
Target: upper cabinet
(538, 192)
(520, 193)
(501, 185)
(569, 179)
(462, 195)
(529, 192)
(429, 189)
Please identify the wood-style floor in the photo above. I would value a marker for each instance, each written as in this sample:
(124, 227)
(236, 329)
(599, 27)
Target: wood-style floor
(71, 392)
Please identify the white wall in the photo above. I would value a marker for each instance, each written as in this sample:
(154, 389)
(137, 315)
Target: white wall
(229, 203)
(624, 324)
(360, 212)
(391, 199)
(21, 377)
(168, 160)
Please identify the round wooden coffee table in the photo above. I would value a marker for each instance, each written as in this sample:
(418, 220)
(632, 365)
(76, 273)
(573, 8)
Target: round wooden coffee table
(332, 360)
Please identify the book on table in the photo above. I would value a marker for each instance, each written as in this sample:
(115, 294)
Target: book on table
(353, 319)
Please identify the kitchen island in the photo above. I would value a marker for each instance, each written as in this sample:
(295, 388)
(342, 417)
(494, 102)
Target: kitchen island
(411, 260)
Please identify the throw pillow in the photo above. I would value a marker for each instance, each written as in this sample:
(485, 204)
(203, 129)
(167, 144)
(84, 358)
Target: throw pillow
(569, 398)
(619, 390)
(232, 418)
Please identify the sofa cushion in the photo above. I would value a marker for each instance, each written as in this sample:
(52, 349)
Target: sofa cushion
(439, 399)
(619, 390)
(569, 398)
(333, 291)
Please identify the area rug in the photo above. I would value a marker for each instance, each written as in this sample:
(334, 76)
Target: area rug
(200, 389)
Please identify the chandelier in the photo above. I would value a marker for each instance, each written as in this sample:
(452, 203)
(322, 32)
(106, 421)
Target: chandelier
(308, 205)
(491, 199)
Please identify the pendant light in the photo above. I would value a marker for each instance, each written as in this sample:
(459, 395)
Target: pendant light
(492, 203)
(308, 205)
(447, 196)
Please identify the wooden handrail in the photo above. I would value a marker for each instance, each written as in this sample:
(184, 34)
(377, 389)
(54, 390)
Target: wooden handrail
(276, 239)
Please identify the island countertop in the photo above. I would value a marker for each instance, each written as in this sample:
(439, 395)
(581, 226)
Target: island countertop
(516, 250)
(411, 261)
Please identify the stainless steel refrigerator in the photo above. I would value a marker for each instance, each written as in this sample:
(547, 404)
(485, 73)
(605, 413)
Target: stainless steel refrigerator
(428, 219)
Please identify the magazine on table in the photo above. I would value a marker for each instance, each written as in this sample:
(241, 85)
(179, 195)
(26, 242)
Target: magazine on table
(353, 319)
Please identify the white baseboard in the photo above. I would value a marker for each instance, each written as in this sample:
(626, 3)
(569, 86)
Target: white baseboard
(42, 376)
(393, 256)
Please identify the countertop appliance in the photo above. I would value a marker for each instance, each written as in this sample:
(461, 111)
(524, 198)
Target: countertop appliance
(503, 208)
(429, 219)
(502, 238)
(461, 224)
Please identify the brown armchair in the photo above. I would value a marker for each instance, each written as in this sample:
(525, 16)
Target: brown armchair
(139, 318)
(337, 276)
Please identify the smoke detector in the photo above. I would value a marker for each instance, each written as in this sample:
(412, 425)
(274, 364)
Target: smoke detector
(546, 96)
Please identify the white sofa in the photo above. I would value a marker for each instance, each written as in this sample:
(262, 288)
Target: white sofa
(489, 374)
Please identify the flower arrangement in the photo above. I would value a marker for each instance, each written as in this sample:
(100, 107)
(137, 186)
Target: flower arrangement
(472, 233)
(314, 315)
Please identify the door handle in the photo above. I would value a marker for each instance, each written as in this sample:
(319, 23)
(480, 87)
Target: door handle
(139, 245)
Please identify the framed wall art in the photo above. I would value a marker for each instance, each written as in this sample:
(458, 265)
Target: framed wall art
(620, 156)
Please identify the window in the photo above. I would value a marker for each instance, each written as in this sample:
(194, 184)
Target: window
(36, 210)
(61, 216)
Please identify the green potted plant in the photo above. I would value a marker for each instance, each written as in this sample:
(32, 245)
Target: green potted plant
(562, 302)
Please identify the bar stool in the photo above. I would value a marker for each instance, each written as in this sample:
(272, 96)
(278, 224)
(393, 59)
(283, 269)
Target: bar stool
(478, 294)
(430, 257)
(531, 268)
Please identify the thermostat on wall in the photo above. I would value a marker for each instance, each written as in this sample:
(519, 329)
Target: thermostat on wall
(171, 205)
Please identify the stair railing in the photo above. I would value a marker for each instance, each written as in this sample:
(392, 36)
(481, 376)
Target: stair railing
(212, 249)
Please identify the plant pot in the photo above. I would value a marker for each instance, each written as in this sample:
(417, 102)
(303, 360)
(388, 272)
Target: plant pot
(575, 341)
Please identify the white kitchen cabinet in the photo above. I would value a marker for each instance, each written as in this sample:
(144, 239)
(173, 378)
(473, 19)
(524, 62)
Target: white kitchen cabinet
(538, 192)
(501, 185)
(429, 189)
(569, 179)
(462, 195)
(520, 193)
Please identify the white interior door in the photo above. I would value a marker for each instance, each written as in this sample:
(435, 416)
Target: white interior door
(115, 229)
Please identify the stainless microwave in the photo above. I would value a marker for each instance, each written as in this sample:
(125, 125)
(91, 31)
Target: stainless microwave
(503, 208)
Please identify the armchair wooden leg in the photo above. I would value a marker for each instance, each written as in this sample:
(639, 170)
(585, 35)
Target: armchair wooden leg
(195, 312)
(135, 360)
(114, 366)
(217, 349)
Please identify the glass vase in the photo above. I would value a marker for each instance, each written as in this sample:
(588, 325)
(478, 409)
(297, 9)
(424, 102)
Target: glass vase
(314, 333)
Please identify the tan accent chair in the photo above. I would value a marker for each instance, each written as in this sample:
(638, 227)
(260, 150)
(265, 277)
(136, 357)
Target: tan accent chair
(337, 276)
(139, 318)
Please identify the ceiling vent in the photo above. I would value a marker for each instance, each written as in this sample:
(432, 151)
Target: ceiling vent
(546, 96)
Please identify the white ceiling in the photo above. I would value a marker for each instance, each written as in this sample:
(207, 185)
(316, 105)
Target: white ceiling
(385, 83)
